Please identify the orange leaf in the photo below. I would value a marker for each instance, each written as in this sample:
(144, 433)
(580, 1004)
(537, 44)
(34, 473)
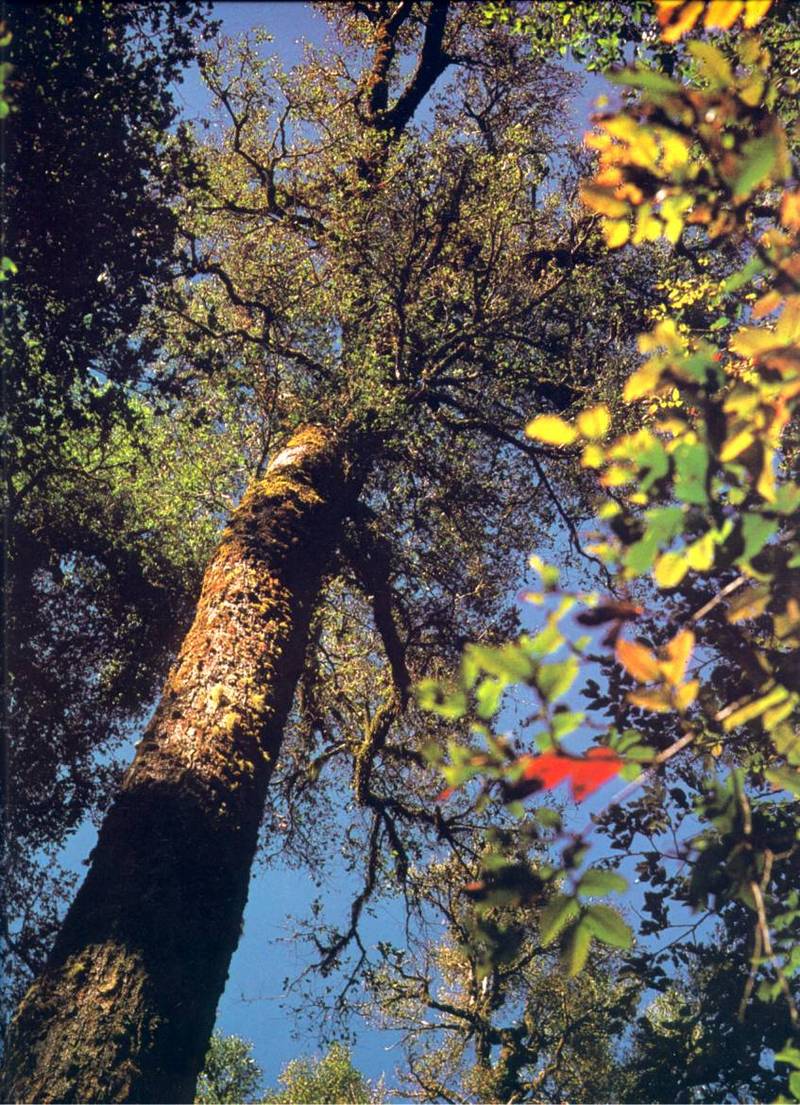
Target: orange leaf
(678, 652)
(585, 774)
(677, 17)
(650, 700)
(638, 660)
(722, 14)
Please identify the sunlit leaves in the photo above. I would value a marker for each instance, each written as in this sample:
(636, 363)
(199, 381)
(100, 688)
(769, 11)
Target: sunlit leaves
(678, 17)
(648, 164)
(551, 430)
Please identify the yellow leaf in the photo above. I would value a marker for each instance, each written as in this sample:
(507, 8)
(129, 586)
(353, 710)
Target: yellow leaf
(678, 651)
(593, 457)
(700, 553)
(754, 11)
(754, 709)
(686, 694)
(790, 210)
(749, 605)
(639, 661)
(735, 445)
(615, 476)
(648, 228)
(603, 201)
(779, 713)
(643, 382)
(766, 304)
(670, 568)
(551, 430)
(750, 341)
(722, 14)
(651, 700)
(616, 232)
(713, 64)
(766, 481)
(595, 422)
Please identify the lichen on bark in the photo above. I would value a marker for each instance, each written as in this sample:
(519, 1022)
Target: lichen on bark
(126, 1004)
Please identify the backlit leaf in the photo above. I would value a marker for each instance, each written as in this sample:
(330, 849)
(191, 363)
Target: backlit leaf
(712, 63)
(551, 430)
(595, 882)
(586, 774)
(678, 651)
(576, 950)
(607, 925)
(558, 913)
(657, 701)
(722, 14)
(638, 660)
(670, 568)
(595, 422)
(754, 709)
(760, 158)
(785, 778)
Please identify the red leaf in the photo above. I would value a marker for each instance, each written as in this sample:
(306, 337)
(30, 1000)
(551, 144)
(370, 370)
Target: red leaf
(586, 774)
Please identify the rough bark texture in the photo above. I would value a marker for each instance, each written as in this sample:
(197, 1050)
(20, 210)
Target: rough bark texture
(126, 1005)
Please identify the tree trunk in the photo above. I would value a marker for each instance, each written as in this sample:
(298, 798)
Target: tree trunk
(126, 1004)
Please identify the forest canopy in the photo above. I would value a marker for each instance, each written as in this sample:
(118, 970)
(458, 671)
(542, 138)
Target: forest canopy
(427, 459)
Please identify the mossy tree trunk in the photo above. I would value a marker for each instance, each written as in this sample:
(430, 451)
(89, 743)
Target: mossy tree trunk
(125, 1007)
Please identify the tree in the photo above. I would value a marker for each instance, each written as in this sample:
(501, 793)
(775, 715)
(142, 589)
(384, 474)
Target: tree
(331, 1078)
(230, 1074)
(486, 1008)
(371, 295)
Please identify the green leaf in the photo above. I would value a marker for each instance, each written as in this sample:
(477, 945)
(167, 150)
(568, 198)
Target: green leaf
(785, 779)
(648, 79)
(760, 157)
(662, 525)
(565, 723)
(794, 1084)
(508, 662)
(450, 703)
(691, 466)
(753, 267)
(712, 64)
(488, 695)
(756, 531)
(607, 925)
(548, 817)
(555, 916)
(595, 882)
(754, 709)
(576, 950)
(549, 640)
(789, 1054)
(553, 680)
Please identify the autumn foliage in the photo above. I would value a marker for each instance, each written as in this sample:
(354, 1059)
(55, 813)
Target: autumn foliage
(697, 503)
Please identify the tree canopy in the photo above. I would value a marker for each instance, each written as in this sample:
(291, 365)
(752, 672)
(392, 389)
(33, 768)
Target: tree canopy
(284, 409)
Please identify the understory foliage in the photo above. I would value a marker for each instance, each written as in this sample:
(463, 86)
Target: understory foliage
(697, 639)
(232, 1076)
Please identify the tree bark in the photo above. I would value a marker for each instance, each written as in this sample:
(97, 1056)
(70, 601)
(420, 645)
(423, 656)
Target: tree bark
(126, 1004)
